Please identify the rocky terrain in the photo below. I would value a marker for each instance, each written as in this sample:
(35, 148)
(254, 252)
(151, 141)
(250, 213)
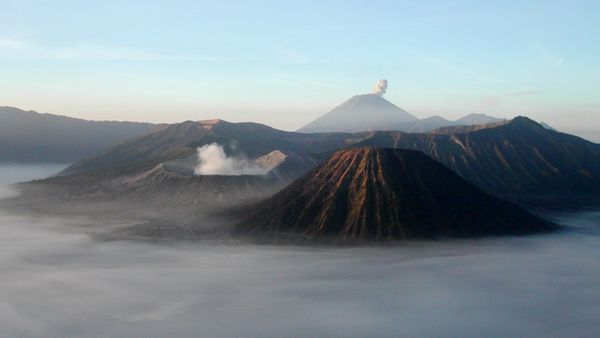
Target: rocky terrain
(181, 140)
(366, 194)
(518, 159)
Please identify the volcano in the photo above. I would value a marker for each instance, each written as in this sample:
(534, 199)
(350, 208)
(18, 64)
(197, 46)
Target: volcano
(384, 194)
(361, 113)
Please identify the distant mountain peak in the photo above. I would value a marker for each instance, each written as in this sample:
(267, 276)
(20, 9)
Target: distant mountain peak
(473, 119)
(477, 115)
(371, 112)
(363, 112)
(524, 120)
(435, 118)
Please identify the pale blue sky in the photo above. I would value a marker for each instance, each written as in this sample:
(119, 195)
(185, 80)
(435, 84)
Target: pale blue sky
(284, 63)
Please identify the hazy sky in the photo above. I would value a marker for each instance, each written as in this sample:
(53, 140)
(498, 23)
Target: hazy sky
(286, 62)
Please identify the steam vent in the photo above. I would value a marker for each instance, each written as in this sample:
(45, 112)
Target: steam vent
(366, 194)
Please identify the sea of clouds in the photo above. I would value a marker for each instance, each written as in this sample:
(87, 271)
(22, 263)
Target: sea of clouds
(58, 281)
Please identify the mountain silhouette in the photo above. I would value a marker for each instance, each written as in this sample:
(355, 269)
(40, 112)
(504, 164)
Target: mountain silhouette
(31, 137)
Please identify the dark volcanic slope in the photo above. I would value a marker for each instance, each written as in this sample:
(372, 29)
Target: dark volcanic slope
(382, 194)
(27, 136)
(210, 191)
(520, 160)
(181, 140)
(157, 187)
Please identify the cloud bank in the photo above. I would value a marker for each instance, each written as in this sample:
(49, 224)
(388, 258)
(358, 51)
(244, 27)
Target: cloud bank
(59, 282)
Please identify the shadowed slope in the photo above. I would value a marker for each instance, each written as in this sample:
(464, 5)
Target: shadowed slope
(520, 160)
(181, 140)
(383, 194)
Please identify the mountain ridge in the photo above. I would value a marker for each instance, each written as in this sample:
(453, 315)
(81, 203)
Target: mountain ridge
(32, 137)
(513, 159)
(384, 194)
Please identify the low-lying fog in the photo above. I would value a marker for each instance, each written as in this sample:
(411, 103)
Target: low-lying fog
(56, 281)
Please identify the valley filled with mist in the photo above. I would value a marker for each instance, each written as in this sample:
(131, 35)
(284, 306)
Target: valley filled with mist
(59, 278)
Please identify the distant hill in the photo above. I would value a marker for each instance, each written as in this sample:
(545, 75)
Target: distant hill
(425, 125)
(431, 124)
(473, 119)
(360, 113)
(384, 194)
(461, 129)
(31, 137)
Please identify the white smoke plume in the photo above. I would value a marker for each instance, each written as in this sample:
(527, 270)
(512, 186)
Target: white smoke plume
(212, 160)
(380, 87)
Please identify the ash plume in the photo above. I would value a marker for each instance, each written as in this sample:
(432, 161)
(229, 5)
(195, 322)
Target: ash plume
(380, 87)
(212, 160)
